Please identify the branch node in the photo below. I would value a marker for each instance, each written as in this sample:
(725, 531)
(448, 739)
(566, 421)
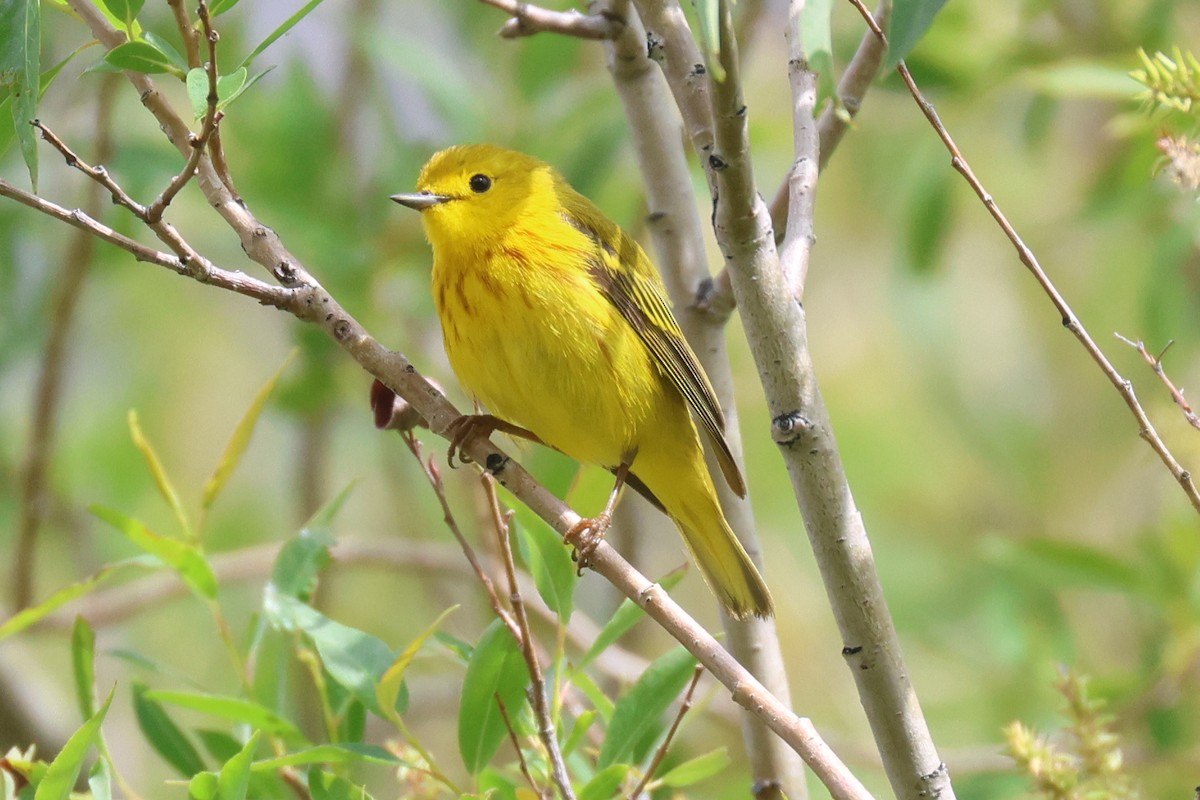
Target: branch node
(496, 463)
(789, 427)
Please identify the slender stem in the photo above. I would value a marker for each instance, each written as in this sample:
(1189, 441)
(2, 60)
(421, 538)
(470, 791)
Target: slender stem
(1156, 364)
(537, 688)
(512, 736)
(661, 752)
(1072, 323)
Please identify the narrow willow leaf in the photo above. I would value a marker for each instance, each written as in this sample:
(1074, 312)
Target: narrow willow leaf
(63, 771)
(605, 784)
(230, 86)
(331, 754)
(125, 11)
(234, 778)
(554, 573)
(353, 658)
(698, 769)
(323, 517)
(241, 434)
(83, 657)
(909, 21)
(203, 786)
(20, 65)
(168, 50)
(29, 616)
(387, 692)
(300, 562)
(642, 707)
(579, 731)
(161, 479)
(496, 670)
(231, 708)
(817, 39)
(8, 133)
(185, 558)
(197, 89)
(167, 739)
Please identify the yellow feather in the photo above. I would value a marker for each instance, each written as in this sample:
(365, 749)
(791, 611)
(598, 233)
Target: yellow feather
(556, 320)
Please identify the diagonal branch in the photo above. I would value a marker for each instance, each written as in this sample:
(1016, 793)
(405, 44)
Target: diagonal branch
(1071, 322)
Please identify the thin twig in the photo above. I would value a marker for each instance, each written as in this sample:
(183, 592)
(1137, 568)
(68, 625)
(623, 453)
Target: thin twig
(1071, 322)
(1155, 363)
(661, 752)
(528, 19)
(537, 688)
(187, 32)
(154, 211)
(434, 476)
(799, 238)
(512, 736)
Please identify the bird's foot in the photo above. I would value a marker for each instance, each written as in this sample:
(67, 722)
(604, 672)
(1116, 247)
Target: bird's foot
(585, 536)
(468, 426)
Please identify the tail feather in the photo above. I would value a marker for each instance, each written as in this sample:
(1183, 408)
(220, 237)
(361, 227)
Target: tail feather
(725, 565)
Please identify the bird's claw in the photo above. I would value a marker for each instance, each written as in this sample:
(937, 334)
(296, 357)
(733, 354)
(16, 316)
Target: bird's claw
(462, 430)
(585, 536)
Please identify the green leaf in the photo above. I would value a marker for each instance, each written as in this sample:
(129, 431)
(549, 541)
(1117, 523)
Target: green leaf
(158, 472)
(929, 212)
(197, 89)
(287, 25)
(327, 786)
(387, 692)
(909, 21)
(29, 616)
(219, 744)
(643, 705)
(550, 564)
(203, 786)
(300, 562)
(20, 63)
(164, 735)
(605, 784)
(167, 49)
(230, 86)
(219, 7)
(100, 779)
(231, 708)
(584, 683)
(140, 56)
(460, 649)
(63, 771)
(234, 778)
(83, 656)
(353, 658)
(330, 754)
(1066, 563)
(623, 619)
(697, 769)
(7, 133)
(241, 434)
(124, 10)
(185, 558)
(579, 731)
(496, 669)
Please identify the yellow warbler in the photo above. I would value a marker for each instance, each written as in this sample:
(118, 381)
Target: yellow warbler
(555, 319)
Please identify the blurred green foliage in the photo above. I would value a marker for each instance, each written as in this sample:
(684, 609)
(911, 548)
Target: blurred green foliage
(1018, 521)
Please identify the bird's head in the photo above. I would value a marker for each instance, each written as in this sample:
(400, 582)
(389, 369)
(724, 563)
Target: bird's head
(470, 194)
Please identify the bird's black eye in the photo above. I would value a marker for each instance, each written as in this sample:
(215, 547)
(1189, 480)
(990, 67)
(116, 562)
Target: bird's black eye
(480, 183)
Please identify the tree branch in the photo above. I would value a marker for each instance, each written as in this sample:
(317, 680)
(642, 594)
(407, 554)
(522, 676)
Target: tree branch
(528, 19)
(1156, 364)
(1072, 323)
(678, 236)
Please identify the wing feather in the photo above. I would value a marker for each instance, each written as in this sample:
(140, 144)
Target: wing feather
(629, 281)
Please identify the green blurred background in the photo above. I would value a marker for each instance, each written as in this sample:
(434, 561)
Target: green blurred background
(1018, 521)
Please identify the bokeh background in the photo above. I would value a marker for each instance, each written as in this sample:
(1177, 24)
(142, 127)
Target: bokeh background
(1018, 521)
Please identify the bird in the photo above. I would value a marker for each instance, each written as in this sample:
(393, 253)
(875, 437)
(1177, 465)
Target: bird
(557, 321)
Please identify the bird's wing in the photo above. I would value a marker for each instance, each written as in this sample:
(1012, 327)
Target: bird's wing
(627, 278)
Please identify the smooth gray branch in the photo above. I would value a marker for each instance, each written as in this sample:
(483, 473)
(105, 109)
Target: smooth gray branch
(528, 19)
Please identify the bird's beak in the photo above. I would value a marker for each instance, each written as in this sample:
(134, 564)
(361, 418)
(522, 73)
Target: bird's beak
(420, 200)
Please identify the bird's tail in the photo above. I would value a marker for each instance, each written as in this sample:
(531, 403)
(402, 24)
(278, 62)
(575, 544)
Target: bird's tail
(723, 561)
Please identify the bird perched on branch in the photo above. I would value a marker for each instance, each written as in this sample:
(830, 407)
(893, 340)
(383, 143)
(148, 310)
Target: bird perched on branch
(555, 319)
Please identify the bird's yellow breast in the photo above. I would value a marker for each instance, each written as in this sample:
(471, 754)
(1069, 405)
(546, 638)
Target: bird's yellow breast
(540, 345)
